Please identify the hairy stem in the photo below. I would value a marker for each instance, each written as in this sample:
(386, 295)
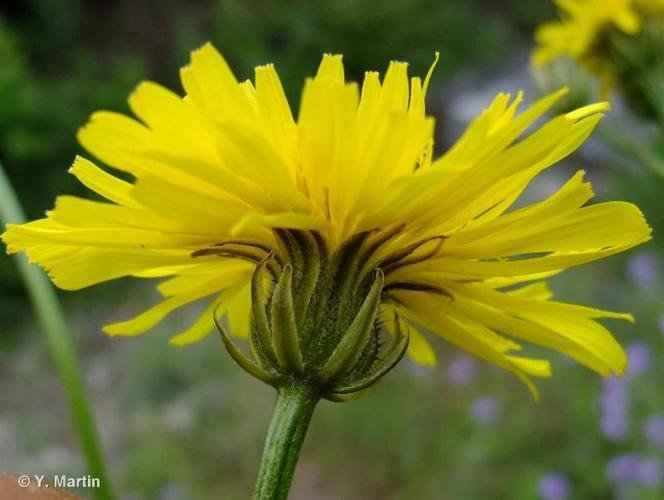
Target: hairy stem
(290, 420)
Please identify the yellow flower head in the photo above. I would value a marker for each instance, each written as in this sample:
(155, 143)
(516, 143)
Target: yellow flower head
(582, 29)
(230, 193)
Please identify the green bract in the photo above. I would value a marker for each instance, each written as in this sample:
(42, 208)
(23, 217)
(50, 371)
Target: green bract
(315, 316)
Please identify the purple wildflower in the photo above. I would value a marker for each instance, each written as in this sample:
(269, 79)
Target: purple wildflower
(553, 486)
(462, 370)
(623, 468)
(614, 404)
(650, 472)
(630, 468)
(643, 269)
(654, 430)
(485, 410)
(638, 354)
(614, 427)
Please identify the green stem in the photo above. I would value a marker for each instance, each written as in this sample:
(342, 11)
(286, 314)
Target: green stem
(290, 421)
(59, 341)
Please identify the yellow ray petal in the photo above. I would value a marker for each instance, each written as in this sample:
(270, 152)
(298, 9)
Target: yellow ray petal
(234, 271)
(475, 338)
(172, 119)
(213, 88)
(200, 328)
(115, 139)
(599, 226)
(326, 140)
(102, 183)
(331, 68)
(148, 319)
(563, 327)
(395, 94)
(237, 311)
(254, 158)
(419, 349)
(275, 112)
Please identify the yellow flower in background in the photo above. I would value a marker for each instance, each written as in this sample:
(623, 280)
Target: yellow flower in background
(581, 32)
(225, 182)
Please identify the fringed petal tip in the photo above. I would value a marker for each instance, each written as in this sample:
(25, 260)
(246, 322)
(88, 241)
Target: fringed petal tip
(6, 239)
(622, 371)
(333, 57)
(615, 367)
(206, 53)
(331, 67)
(79, 163)
(619, 370)
(206, 47)
(12, 240)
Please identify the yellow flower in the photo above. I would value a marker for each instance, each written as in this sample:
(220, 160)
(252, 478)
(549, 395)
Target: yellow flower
(225, 178)
(581, 32)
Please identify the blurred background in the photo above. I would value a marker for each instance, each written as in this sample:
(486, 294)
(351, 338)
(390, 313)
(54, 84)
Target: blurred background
(185, 423)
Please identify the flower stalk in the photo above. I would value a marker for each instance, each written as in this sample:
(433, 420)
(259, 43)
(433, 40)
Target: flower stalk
(290, 420)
